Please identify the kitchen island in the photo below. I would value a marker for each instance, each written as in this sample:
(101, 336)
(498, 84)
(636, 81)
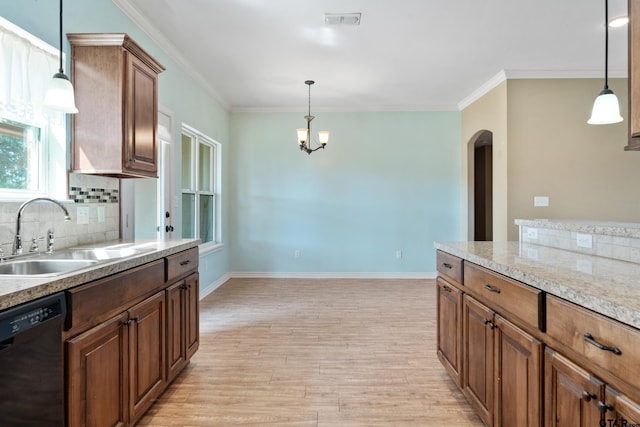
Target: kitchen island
(544, 333)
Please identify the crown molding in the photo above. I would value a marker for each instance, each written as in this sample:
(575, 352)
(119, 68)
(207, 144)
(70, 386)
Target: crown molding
(483, 90)
(503, 75)
(150, 30)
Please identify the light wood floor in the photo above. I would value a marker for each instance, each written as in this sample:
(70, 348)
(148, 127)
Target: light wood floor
(315, 353)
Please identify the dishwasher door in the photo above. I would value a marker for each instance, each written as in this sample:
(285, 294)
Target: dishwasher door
(31, 365)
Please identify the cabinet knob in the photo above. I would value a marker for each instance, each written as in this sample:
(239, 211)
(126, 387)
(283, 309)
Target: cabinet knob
(447, 265)
(446, 288)
(604, 407)
(132, 320)
(490, 323)
(586, 396)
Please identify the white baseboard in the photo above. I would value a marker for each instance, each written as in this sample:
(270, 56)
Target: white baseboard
(206, 290)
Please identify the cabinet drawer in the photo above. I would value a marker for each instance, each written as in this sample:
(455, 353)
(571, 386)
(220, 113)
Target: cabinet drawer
(449, 266)
(505, 295)
(568, 323)
(181, 264)
(95, 302)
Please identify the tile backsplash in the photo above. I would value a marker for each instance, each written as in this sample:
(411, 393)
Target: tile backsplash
(98, 197)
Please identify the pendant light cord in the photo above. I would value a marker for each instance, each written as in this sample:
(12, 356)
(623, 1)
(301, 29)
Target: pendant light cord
(309, 113)
(61, 70)
(606, 44)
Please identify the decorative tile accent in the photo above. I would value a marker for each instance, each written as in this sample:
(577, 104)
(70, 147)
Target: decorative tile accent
(93, 195)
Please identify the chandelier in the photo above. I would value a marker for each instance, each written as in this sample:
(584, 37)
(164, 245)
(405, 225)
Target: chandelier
(304, 134)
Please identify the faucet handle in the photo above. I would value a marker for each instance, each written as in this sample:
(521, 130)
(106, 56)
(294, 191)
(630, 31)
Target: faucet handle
(2, 255)
(34, 244)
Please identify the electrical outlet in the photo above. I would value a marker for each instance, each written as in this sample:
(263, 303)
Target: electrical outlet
(584, 240)
(101, 213)
(532, 233)
(398, 254)
(296, 253)
(82, 213)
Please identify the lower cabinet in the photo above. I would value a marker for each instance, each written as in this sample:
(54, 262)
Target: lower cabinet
(98, 367)
(574, 397)
(147, 349)
(116, 369)
(450, 328)
(128, 336)
(502, 368)
(182, 323)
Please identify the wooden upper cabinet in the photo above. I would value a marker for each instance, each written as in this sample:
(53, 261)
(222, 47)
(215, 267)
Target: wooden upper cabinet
(634, 75)
(116, 88)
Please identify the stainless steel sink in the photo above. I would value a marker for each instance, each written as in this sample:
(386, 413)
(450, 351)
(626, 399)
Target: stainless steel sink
(42, 267)
(98, 254)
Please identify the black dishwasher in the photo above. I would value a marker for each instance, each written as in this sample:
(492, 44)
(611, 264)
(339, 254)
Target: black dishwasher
(31, 367)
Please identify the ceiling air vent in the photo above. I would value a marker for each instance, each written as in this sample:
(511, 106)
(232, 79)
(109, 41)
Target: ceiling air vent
(342, 18)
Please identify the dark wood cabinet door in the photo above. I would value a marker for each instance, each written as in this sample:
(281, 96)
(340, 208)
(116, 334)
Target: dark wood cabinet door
(97, 373)
(192, 333)
(634, 75)
(176, 329)
(518, 376)
(141, 112)
(147, 352)
(477, 367)
(622, 411)
(449, 300)
(571, 393)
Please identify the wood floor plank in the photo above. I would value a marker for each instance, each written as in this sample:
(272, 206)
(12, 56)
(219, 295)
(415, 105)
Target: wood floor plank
(317, 353)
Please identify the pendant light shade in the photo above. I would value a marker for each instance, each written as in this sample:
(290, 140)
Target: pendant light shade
(60, 95)
(606, 109)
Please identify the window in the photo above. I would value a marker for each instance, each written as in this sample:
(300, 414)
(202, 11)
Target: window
(21, 160)
(200, 186)
(32, 139)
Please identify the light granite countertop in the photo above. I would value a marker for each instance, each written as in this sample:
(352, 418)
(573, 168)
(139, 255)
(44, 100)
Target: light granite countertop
(607, 286)
(16, 290)
(610, 228)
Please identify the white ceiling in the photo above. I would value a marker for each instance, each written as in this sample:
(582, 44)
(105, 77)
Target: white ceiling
(405, 55)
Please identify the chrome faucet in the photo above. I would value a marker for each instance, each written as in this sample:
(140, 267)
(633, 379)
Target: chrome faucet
(17, 242)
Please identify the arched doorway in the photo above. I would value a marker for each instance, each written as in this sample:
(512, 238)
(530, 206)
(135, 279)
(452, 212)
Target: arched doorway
(483, 186)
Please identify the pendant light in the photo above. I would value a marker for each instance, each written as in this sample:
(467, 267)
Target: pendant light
(60, 95)
(606, 108)
(304, 134)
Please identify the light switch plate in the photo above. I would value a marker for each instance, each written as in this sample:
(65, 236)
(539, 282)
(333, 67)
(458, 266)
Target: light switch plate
(532, 233)
(541, 201)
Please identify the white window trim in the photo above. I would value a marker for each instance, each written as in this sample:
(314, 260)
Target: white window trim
(216, 244)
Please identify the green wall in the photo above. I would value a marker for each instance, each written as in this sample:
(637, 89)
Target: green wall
(385, 182)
